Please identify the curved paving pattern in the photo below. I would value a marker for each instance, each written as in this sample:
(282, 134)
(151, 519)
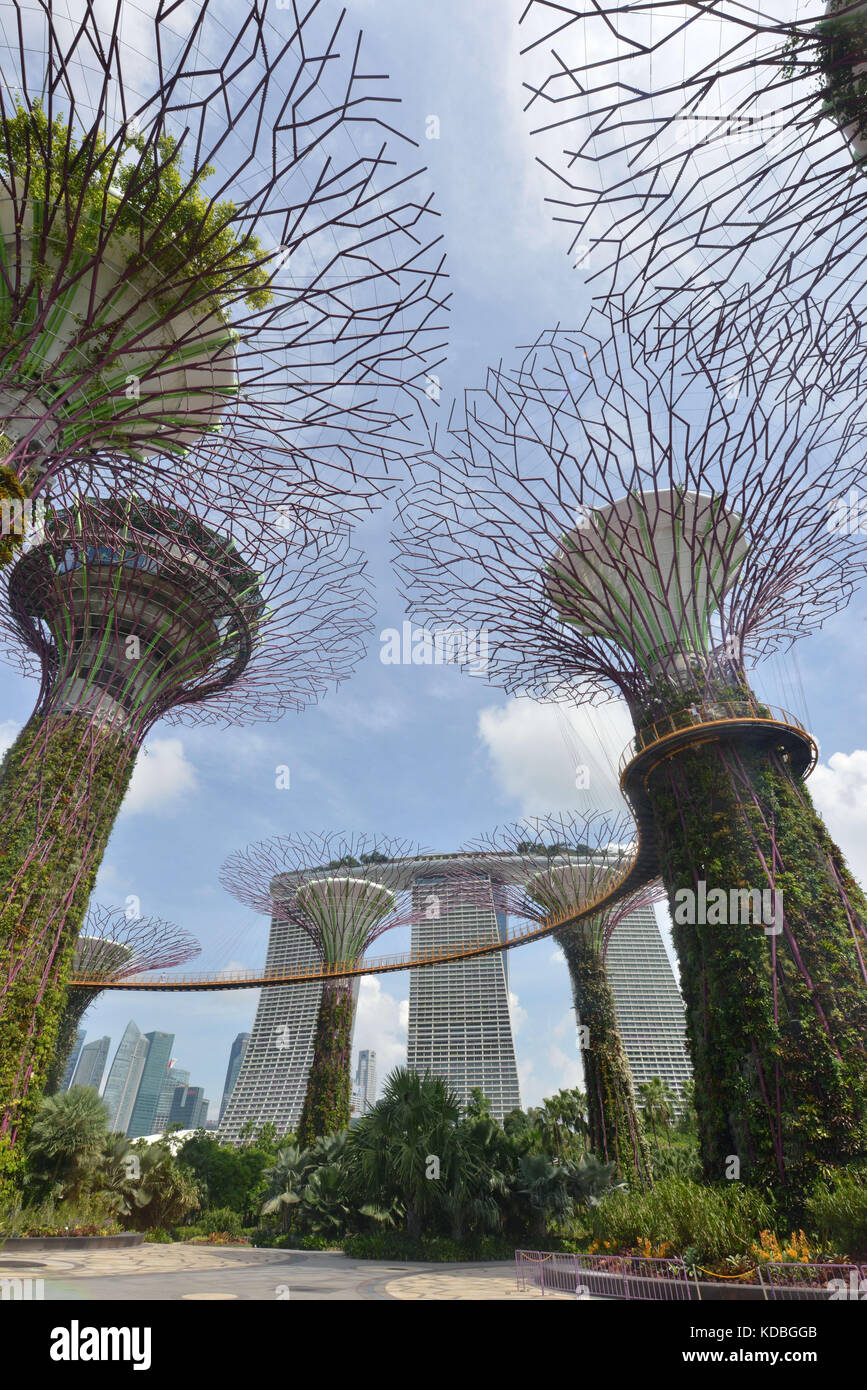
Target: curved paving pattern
(198, 1273)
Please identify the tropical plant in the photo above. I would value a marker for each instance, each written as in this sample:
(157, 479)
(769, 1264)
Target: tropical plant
(837, 1211)
(148, 200)
(658, 1104)
(65, 1143)
(562, 1123)
(165, 1192)
(408, 1146)
(712, 1222)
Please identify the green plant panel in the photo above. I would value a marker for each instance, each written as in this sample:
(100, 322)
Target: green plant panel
(61, 786)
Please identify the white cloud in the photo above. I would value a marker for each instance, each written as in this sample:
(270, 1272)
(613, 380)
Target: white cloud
(839, 789)
(517, 1012)
(536, 749)
(9, 731)
(381, 1024)
(566, 1027)
(162, 778)
(566, 1068)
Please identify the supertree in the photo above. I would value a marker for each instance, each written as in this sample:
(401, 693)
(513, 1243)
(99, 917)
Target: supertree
(704, 146)
(569, 862)
(135, 610)
(621, 525)
(344, 891)
(210, 230)
(111, 946)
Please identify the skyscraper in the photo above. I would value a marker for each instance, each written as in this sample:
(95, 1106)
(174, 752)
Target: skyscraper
(650, 1012)
(459, 1023)
(272, 1079)
(91, 1063)
(189, 1107)
(72, 1060)
(236, 1057)
(365, 1082)
(174, 1077)
(122, 1085)
(144, 1111)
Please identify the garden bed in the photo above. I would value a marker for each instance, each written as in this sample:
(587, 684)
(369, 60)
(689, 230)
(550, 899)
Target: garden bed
(48, 1243)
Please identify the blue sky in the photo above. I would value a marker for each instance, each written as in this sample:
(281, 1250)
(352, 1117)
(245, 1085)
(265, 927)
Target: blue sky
(422, 752)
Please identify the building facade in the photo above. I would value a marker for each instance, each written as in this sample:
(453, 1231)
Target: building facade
(175, 1076)
(647, 1000)
(189, 1107)
(236, 1057)
(72, 1061)
(144, 1110)
(122, 1085)
(460, 1027)
(272, 1078)
(365, 1082)
(91, 1063)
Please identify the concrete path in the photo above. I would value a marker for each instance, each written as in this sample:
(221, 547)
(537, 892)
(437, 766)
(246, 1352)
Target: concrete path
(201, 1272)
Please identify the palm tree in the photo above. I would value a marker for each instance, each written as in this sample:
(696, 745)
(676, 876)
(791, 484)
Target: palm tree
(65, 1142)
(286, 1180)
(562, 1121)
(658, 1102)
(545, 1189)
(408, 1147)
(165, 1192)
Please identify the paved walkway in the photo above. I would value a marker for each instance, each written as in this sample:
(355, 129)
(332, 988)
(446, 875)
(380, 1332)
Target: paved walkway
(202, 1272)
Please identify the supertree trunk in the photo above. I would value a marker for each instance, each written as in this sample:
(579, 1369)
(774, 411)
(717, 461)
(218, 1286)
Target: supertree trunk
(62, 785)
(616, 1131)
(326, 1103)
(776, 1008)
(77, 1002)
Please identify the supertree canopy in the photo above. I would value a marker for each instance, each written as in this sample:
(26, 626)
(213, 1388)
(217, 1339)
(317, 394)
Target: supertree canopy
(344, 892)
(704, 145)
(622, 525)
(210, 229)
(136, 610)
(111, 946)
(568, 863)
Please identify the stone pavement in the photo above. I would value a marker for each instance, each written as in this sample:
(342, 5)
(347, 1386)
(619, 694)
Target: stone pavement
(203, 1272)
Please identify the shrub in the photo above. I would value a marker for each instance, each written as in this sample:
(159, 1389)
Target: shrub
(89, 1215)
(837, 1211)
(293, 1241)
(220, 1220)
(712, 1223)
(158, 1236)
(394, 1245)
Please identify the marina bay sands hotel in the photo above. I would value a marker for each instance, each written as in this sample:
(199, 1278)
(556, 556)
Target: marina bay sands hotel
(459, 1022)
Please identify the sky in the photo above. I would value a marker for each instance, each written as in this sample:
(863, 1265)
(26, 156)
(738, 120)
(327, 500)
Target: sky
(424, 752)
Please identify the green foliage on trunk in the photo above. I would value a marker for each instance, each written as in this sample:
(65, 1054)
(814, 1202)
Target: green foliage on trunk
(776, 1022)
(11, 490)
(61, 786)
(326, 1103)
(616, 1133)
(77, 1003)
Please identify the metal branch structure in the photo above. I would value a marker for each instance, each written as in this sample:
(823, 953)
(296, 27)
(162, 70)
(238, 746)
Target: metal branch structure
(569, 861)
(345, 892)
(216, 248)
(705, 146)
(112, 946)
(136, 610)
(618, 523)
